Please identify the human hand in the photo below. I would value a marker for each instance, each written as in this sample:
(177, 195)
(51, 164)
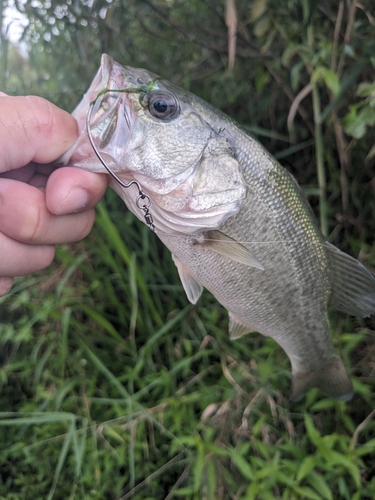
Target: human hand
(40, 206)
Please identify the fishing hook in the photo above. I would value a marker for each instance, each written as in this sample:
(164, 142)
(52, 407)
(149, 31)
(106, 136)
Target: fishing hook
(141, 194)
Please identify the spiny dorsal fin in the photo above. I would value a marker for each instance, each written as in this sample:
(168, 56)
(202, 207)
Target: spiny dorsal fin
(236, 328)
(352, 285)
(192, 288)
(231, 249)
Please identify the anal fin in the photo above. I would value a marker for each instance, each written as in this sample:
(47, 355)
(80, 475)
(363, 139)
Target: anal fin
(192, 287)
(333, 380)
(236, 328)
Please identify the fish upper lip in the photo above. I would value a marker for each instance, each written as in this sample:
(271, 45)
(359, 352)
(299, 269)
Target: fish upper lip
(109, 76)
(106, 63)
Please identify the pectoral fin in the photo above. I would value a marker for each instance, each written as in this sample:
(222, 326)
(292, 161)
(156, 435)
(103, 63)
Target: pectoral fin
(333, 381)
(218, 242)
(192, 287)
(236, 328)
(352, 285)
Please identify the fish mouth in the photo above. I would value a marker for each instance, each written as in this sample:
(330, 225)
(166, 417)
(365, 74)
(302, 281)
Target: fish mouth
(109, 111)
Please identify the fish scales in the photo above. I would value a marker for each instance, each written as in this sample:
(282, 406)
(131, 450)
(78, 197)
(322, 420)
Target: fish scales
(279, 299)
(235, 221)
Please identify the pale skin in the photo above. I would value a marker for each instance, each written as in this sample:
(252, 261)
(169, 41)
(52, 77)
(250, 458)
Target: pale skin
(40, 206)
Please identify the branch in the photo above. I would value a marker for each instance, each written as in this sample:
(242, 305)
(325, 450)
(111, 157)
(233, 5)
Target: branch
(301, 110)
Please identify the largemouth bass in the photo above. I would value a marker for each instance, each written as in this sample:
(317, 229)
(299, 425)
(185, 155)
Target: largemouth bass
(235, 221)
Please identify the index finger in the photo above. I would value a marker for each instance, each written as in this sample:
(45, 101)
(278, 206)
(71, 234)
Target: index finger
(33, 129)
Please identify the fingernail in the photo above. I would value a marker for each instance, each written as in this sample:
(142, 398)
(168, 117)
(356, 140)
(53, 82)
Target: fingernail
(5, 285)
(76, 199)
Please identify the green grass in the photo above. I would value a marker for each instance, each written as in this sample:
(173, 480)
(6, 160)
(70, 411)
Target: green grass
(114, 386)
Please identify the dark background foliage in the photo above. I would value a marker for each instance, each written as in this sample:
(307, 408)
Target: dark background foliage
(112, 386)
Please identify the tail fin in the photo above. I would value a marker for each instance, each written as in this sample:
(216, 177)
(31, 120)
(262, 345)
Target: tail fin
(333, 381)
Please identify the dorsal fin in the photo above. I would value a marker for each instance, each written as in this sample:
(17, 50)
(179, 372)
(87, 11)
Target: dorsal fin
(192, 288)
(352, 285)
(226, 246)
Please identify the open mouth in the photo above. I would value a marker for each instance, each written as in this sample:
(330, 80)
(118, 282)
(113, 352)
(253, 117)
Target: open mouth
(108, 106)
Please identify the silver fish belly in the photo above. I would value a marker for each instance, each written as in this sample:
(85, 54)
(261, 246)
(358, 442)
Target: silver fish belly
(235, 221)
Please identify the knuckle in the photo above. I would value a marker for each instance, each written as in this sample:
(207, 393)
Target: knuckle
(31, 228)
(45, 121)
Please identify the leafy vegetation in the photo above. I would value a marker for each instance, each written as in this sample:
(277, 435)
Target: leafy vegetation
(112, 385)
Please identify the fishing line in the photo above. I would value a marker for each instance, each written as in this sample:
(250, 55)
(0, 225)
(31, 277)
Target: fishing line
(141, 194)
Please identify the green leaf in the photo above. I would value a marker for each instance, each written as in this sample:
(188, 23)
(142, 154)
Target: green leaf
(329, 77)
(356, 122)
(36, 418)
(198, 468)
(343, 488)
(211, 479)
(60, 463)
(311, 430)
(293, 149)
(324, 404)
(309, 8)
(346, 83)
(365, 89)
(259, 7)
(340, 459)
(101, 321)
(106, 372)
(366, 448)
(252, 492)
(318, 482)
(243, 466)
(295, 73)
(305, 492)
(307, 465)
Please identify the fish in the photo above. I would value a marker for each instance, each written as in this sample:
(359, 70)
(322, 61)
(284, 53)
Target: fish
(236, 222)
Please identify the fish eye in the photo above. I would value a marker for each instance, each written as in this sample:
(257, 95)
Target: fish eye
(163, 105)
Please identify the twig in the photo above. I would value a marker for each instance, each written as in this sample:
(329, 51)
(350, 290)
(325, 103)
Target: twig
(301, 111)
(231, 22)
(230, 378)
(154, 474)
(294, 108)
(339, 133)
(319, 150)
(336, 36)
(249, 407)
(178, 482)
(351, 18)
(199, 40)
(360, 428)
(344, 161)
